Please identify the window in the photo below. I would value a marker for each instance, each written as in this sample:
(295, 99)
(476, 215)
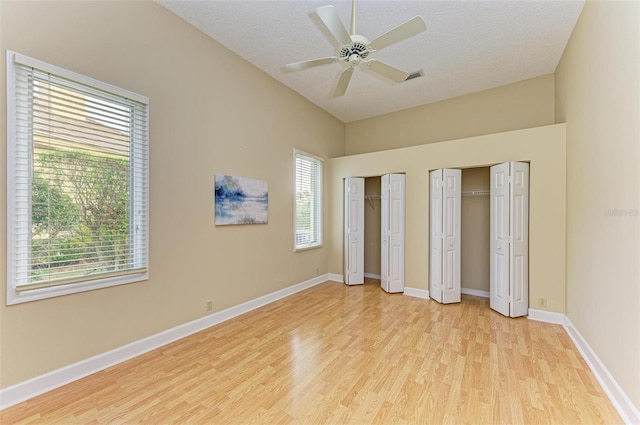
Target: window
(77, 161)
(308, 202)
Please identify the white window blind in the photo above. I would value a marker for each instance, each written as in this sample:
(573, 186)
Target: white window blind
(308, 201)
(78, 182)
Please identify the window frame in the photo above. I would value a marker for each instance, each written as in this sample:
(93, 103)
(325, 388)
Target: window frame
(319, 234)
(139, 193)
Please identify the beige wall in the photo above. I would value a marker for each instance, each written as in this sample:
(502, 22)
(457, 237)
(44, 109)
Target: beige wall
(544, 147)
(598, 95)
(211, 112)
(372, 226)
(474, 230)
(514, 106)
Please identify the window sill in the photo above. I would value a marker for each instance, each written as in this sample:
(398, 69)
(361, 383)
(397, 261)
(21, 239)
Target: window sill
(18, 297)
(306, 248)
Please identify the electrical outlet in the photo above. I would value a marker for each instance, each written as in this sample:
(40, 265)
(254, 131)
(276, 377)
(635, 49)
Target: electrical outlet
(209, 306)
(542, 302)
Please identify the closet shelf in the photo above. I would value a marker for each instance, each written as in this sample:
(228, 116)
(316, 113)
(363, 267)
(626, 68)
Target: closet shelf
(475, 192)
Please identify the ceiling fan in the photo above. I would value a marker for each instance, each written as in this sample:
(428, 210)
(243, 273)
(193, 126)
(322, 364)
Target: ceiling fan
(354, 49)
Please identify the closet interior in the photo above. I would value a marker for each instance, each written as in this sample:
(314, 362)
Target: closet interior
(372, 227)
(474, 231)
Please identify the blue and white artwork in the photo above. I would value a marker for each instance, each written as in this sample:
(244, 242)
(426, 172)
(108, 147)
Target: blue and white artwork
(240, 200)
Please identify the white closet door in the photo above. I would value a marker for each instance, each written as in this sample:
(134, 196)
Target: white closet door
(393, 232)
(509, 267)
(435, 259)
(499, 244)
(384, 232)
(354, 230)
(451, 214)
(445, 188)
(519, 223)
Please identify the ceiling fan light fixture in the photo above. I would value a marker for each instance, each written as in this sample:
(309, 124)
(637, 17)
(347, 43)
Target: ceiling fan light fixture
(354, 60)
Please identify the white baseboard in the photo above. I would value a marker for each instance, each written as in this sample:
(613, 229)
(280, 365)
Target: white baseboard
(620, 400)
(415, 292)
(340, 278)
(335, 277)
(546, 316)
(28, 389)
(475, 292)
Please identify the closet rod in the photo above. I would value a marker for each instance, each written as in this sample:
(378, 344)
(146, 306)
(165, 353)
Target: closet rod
(370, 199)
(475, 192)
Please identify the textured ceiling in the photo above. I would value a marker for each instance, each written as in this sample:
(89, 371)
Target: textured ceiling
(468, 45)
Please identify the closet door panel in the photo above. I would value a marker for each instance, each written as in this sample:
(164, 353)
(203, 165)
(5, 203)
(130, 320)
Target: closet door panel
(396, 232)
(519, 230)
(435, 230)
(499, 244)
(384, 233)
(445, 213)
(354, 231)
(451, 235)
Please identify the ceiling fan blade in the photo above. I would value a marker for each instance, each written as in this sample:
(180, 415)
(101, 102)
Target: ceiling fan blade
(308, 64)
(329, 16)
(401, 32)
(341, 88)
(388, 71)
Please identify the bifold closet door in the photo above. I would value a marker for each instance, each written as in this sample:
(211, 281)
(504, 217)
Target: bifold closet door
(519, 252)
(509, 246)
(445, 213)
(354, 231)
(392, 232)
(499, 242)
(435, 231)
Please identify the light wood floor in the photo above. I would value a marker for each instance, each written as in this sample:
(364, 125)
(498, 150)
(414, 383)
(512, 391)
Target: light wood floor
(335, 354)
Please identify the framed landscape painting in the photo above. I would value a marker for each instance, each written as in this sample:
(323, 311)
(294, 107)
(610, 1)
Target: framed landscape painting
(240, 200)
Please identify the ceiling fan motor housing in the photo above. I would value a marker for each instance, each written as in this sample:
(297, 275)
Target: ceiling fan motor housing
(358, 49)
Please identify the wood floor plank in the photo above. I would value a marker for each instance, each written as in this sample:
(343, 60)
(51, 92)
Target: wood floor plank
(335, 354)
